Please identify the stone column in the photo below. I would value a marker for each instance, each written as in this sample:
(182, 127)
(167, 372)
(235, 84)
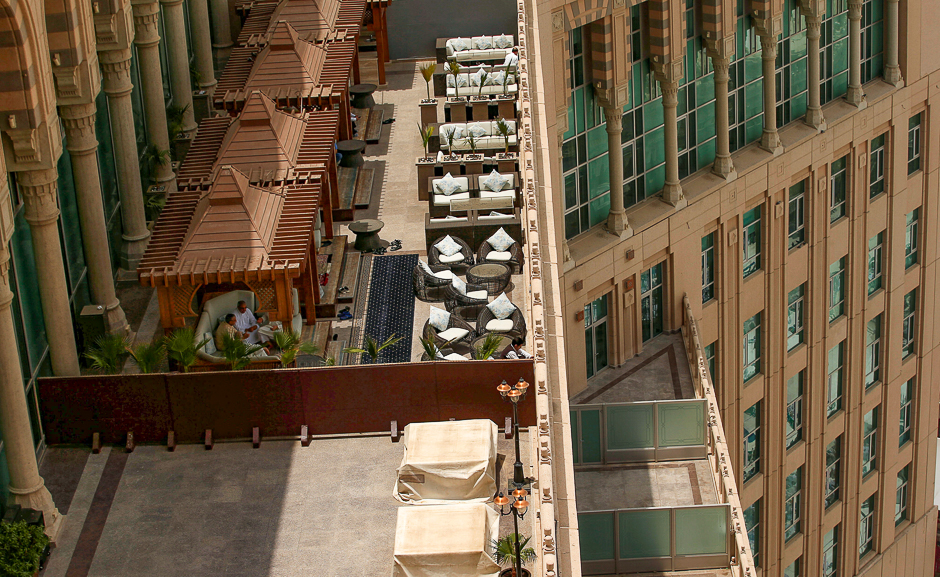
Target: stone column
(768, 32)
(116, 65)
(814, 113)
(855, 94)
(617, 219)
(202, 43)
(668, 78)
(147, 40)
(720, 54)
(221, 32)
(178, 58)
(79, 122)
(892, 69)
(39, 189)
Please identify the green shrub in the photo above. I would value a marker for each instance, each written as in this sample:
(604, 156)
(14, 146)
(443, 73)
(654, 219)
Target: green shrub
(21, 546)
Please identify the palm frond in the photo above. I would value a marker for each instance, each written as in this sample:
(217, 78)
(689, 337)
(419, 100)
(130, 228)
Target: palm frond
(149, 356)
(108, 354)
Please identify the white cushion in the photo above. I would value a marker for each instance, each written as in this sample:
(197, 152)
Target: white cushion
(483, 42)
(494, 216)
(448, 246)
(498, 256)
(496, 78)
(209, 347)
(500, 241)
(459, 285)
(508, 193)
(447, 185)
(503, 41)
(424, 266)
(439, 318)
(446, 274)
(456, 129)
(455, 357)
(499, 326)
(495, 182)
(453, 334)
(461, 80)
(501, 307)
(478, 131)
(476, 79)
(445, 259)
(459, 44)
(478, 295)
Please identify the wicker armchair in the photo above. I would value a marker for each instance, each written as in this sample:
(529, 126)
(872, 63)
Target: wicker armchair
(515, 261)
(518, 323)
(455, 322)
(453, 299)
(427, 287)
(461, 266)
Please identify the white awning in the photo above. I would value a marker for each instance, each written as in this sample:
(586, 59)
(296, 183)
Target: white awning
(446, 541)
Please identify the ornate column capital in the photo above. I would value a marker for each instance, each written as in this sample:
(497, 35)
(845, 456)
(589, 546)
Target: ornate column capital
(614, 117)
(116, 66)
(813, 27)
(855, 9)
(146, 23)
(79, 123)
(40, 195)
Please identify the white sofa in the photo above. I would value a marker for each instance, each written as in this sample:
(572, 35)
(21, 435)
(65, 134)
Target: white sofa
(213, 312)
(509, 191)
(489, 138)
(479, 48)
(440, 199)
(468, 83)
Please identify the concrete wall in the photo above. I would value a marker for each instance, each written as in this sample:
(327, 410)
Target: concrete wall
(415, 25)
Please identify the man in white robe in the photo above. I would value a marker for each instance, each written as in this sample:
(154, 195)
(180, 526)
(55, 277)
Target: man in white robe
(247, 323)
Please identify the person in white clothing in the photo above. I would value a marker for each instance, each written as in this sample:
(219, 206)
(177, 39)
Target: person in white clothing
(512, 58)
(247, 323)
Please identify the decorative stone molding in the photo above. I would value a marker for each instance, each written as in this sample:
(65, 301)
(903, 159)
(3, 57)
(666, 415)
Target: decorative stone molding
(79, 123)
(116, 66)
(113, 27)
(39, 189)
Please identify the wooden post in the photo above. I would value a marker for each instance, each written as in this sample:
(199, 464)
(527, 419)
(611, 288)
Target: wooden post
(381, 48)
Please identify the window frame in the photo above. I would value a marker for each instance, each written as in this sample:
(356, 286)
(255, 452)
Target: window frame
(866, 526)
(796, 321)
(902, 497)
(838, 189)
(870, 442)
(830, 553)
(708, 268)
(837, 285)
(751, 440)
(906, 412)
(909, 325)
(793, 422)
(751, 235)
(873, 352)
(877, 159)
(796, 216)
(875, 262)
(838, 373)
(753, 529)
(911, 231)
(832, 480)
(793, 504)
(914, 143)
(754, 336)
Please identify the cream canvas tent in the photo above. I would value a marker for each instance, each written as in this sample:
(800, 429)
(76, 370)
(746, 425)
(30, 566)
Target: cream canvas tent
(448, 461)
(446, 541)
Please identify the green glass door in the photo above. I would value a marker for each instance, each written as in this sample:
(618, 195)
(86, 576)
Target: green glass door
(595, 336)
(651, 301)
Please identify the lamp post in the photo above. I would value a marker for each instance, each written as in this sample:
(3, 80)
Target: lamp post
(519, 508)
(515, 393)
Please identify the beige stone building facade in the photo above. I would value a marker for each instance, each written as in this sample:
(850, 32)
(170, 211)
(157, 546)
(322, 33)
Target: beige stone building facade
(775, 162)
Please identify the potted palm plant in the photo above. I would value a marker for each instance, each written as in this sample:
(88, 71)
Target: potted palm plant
(488, 348)
(502, 127)
(450, 144)
(149, 356)
(372, 348)
(21, 549)
(483, 77)
(291, 345)
(427, 132)
(509, 74)
(237, 352)
(427, 72)
(504, 551)
(108, 354)
(454, 69)
(181, 347)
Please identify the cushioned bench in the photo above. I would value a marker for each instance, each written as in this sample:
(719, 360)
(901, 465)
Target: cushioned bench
(486, 135)
(479, 48)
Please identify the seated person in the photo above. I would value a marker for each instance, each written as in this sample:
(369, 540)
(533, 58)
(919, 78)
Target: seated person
(246, 322)
(515, 351)
(228, 329)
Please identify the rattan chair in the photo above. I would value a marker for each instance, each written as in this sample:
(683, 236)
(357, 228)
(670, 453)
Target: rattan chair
(518, 323)
(427, 287)
(515, 261)
(461, 266)
(455, 322)
(454, 300)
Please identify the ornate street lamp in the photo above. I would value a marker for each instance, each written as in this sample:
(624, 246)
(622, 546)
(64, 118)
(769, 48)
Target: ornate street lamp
(518, 510)
(515, 393)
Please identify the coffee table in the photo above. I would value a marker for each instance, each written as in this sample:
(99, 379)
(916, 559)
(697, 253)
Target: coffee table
(352, 152)
(361, 95)
(493, 275)
(367, 234)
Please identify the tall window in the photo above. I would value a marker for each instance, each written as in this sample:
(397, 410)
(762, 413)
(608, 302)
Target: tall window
(834, 49)
(696, 115)
(746, 85)
(876, 183)
(900, 496)
(834, 384)
(651, 301)
(873, 351)
(711, 353)
(830, 556)
(751, 347)
(909, 324)
(836, 289)
(905, 420)
(791, 79)
(752, 524)
(833, 470)
(794, 569)
(795, 221)
(793, 506)
(584, 150)
(838, 184)
(751, 441)
(794, 409)
(910, 238)
(869, 441)
(795, 318)
(595, 335)
(875, 247)
(872, 40)
(751, 242)
(913, 144)
(708, 267)
(866, 526)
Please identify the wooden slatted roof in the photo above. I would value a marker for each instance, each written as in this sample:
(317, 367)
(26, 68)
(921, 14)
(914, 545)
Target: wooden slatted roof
(262, 137)
(313, 19)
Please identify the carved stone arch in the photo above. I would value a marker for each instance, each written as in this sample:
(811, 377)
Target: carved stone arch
(31, 96)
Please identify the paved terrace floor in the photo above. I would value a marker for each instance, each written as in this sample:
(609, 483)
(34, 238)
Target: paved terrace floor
(279, 510)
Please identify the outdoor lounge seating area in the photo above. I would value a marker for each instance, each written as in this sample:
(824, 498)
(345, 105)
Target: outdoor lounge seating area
(484, 135)
(474, 49)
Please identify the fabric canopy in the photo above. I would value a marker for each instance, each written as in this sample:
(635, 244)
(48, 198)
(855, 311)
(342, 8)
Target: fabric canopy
(448, 461)
(446, 541)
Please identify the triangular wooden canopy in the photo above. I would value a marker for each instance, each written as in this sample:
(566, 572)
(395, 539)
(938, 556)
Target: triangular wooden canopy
(287, 60)
(313, 19)
(262, 137)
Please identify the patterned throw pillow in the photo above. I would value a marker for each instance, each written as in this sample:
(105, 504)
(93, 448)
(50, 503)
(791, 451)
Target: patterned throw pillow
(477, 131)
(501, 307)
(459, 44)
(477, 77)
(457, 131)
(495, 182)
(495, 79)
(459, 285)
(503, 41)
(447, 185)
(448, 246)
(439, 318)
(424, 266)
(461, 81)
(483, 43)
(501, 240)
